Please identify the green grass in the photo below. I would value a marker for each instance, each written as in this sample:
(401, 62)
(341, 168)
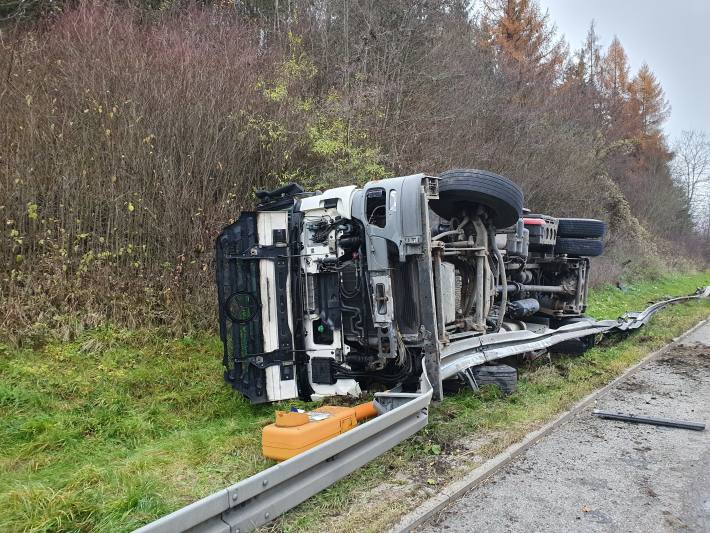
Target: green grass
(117, 428)
(611, 302)
(121, 427)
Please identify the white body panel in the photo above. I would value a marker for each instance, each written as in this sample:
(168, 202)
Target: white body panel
(343, 194)
(276, 388)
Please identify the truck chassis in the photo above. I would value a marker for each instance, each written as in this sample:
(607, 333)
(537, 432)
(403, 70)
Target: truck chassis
(329, 293)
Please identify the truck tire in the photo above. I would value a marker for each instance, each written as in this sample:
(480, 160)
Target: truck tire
(581, 227)
(579, 247)
(506, 377)
(573, 346)
(461, 187)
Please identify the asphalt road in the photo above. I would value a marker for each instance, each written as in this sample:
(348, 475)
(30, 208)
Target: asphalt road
(600, 475)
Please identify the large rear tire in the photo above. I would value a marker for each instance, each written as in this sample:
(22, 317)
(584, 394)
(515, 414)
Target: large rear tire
(504, 376)
(572, 346)
(461, 188)
(581, 227)
(579, 247)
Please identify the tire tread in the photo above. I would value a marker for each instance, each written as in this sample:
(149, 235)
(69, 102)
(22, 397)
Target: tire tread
(581, 227)
(496, 192)
(579, 247)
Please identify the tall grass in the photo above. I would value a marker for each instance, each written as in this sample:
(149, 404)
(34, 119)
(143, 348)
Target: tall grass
(126, 146)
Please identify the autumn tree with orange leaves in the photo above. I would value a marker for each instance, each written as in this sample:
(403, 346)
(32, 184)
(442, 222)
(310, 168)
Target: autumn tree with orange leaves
(525, 38)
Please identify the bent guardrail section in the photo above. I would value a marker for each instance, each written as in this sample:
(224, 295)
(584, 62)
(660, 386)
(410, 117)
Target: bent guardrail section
(259, 499)
(479, 350)
(634, 320)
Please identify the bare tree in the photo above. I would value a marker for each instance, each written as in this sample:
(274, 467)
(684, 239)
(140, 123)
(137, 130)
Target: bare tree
(704, 215)
(691, 165)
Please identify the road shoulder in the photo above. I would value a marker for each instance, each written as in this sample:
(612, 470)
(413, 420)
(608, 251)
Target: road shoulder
(456, 489)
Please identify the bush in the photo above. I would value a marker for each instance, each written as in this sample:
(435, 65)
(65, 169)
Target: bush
(130, 140)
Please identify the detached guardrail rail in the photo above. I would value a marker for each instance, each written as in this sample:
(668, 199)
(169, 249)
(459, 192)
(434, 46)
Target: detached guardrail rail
(259, 499)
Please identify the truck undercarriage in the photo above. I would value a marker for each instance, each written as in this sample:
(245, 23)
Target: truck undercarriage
(324, 294)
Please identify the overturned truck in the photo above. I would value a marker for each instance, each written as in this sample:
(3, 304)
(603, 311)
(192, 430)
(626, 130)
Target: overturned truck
(330, 293)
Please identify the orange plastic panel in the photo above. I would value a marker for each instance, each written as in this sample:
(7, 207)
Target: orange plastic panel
(294, 433)
(286, 419)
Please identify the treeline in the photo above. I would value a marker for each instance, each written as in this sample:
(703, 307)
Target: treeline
(132, 134)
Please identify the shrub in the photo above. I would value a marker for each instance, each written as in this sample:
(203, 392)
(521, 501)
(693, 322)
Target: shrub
(130, 140)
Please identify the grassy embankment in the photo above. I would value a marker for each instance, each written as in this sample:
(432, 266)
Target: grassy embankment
(120, 427)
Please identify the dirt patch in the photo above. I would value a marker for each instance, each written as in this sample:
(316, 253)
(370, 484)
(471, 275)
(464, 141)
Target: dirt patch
(631, 385)
(691, 362)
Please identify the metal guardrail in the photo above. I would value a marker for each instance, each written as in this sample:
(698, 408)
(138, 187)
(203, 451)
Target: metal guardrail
(633, 320)
(259, 499)
(479, 350)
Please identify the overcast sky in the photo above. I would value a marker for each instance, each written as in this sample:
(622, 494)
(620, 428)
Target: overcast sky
(670, 35)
